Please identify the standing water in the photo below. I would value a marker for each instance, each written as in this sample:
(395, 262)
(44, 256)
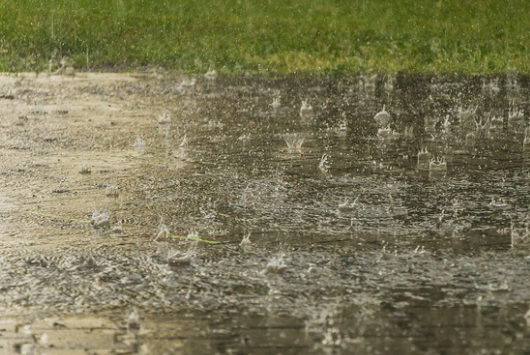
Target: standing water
(166, 215)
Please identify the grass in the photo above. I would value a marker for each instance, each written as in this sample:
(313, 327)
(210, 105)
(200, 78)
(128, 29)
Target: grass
(281, 36)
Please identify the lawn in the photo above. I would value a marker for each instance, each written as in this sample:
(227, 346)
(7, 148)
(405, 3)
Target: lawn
(279, 36)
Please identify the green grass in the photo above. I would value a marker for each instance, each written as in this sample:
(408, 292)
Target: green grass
(283, 36)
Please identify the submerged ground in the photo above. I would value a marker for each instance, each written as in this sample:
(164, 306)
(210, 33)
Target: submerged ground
(162, 215)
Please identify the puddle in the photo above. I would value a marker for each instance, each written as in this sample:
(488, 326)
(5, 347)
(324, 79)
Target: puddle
(125, 201)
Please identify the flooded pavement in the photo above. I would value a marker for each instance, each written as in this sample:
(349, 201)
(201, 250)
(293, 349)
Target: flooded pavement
(144, 214)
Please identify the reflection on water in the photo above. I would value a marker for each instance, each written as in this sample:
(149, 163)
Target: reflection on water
(364, 214)
(282, 175)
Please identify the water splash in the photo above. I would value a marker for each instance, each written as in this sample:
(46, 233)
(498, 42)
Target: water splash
(490, 87)
(276, 265)
(526, 139)
(85, 168)
(383, 118)
(165, 118)
(162, 232)
(438, 165)
(211, 75)
(133, 321)
(184, 143)
(424, 158)
(139, 143)
(347, 205)
(276, 103)
(306, 110)
(323, 164)
(515, 116)
(245, 245)
(367, 83)
(176, 257)
(294, 142)
(185, 85)
(386, 133)
(100, 220)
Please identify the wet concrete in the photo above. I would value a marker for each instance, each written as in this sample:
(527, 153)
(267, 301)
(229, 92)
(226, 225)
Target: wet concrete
(321, 229)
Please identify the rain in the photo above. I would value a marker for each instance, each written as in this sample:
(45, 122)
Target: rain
(287, 214)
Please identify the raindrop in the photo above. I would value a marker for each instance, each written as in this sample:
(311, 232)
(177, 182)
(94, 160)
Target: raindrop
(245, 244)
(512, 85)
(276, 103)
(306, 110)
(165, 118)
(323, 164)
(347, 205)
(162, 231)
(482, 123)
(424, 159)
(438, 165)
(491, 87)
(184, 141)
(386, 132)
(85, 169)
(276, 265)
(185, 85)
(44, 339)
(515, 116)
(133, 321)
(140, 143)
(343, 126)
(383, 118)
(332, 338)
(100, 220)
(391, 204)
(526, 140)
(211, 75)
(408, 132)
(112, 191)
(294, 142)
(179, 258)
(497, 122)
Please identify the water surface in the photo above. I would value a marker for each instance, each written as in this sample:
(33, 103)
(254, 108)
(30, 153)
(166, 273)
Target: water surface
(359, 238)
